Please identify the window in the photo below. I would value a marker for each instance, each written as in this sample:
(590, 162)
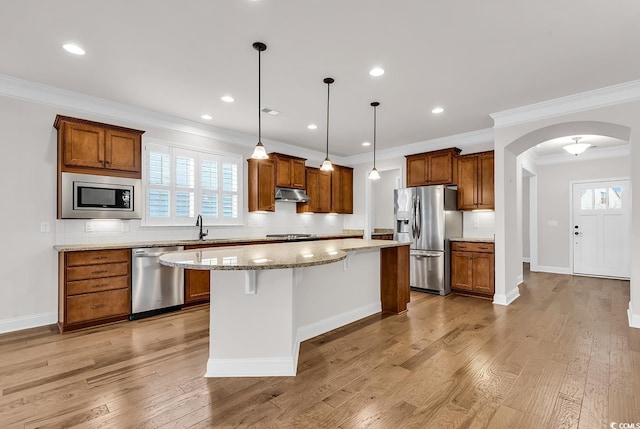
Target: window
(181, 183)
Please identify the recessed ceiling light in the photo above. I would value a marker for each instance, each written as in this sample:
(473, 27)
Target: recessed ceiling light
(437, 110)
(312, 126)
(227, 99)
(366, 144)
(270, 111)
(74, 49)
(207, 117)
(376, 71)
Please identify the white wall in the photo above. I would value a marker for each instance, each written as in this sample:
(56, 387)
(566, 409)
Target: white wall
(382, 196)
(554, 205)
(526, 243)
(28, 292)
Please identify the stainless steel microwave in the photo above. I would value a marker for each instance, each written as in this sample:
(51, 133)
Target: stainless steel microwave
(88, 196)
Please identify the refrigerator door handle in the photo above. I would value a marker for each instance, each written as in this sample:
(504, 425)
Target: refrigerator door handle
(425, 254)
(419, 217)
(413, 215)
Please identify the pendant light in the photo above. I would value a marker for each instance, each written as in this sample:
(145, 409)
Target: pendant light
(374, 175)
(576, 148)
(259, 151)
(326, 165)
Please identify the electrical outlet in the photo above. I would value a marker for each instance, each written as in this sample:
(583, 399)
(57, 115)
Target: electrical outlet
(552, 223)
(45, 227)
(88, 227)
(476, 223)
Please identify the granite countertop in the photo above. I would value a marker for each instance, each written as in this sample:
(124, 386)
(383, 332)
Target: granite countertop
(166, 243)
(272, 256)
(474, 239)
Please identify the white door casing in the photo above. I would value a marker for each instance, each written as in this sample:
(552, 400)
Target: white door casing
(601, 228)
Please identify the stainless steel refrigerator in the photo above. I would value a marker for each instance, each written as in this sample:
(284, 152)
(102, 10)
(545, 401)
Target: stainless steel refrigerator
(427, 217)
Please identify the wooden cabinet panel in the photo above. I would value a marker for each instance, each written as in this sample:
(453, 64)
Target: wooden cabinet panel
(94, 288)
(123, 150)
(99, 305)
(196, 286)
(261, 185)
(472, 268)
(97, 285)
(461, 271)
(324, 192)
(416, 170)
(432, 168)
(486, 182)
(312, 191)
(97, 271)
(475, 181)
(84, 145)
(342, 190)
(96, 148)
(90, 257)
(289, 171)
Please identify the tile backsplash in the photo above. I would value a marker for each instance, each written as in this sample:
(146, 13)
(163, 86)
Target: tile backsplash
(481, 224)
(283, 220)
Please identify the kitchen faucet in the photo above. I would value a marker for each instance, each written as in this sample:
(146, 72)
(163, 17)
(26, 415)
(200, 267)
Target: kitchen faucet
(199, 222)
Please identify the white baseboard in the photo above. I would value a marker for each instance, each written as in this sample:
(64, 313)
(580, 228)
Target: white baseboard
(507, 299)
(553, 270)
(634, 319)
(251, 367)
(527, 260)
(27, 322)
(333, 322)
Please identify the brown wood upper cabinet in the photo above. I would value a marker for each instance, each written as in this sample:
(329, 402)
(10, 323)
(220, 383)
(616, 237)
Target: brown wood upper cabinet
(432, 168)
(290, 171)
(342, 190)
(97, 148)
(262, 194)
(319, 189)
(475, 181)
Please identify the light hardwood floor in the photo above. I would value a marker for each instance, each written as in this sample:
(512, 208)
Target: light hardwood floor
(562, 356)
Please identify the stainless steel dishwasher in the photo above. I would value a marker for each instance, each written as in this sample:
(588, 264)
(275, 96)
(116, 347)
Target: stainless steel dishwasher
(155, 288)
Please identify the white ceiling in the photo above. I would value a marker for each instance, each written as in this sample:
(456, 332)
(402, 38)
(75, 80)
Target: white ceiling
(179, 57)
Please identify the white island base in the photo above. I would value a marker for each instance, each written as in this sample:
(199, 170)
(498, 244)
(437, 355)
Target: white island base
(257, 323)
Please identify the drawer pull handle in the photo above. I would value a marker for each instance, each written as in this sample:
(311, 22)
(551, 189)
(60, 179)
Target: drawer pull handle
(99, 258)
(99, 272)
(100, 285)
(97, 306)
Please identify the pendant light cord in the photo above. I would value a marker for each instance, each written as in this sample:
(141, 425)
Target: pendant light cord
(259, 101)
(328, 86)
(375, 109)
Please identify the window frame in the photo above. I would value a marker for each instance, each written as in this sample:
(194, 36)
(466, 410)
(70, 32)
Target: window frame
(199, 155)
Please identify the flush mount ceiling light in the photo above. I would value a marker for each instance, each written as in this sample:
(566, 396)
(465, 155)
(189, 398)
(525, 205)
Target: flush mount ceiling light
(366, 144)
(576, 148)
(227, 99)
(74, 49)
(259, 152)
(374, 175)
(207, 117)
(437, 110)
(326, 165)
(312, 126)
(376, 71)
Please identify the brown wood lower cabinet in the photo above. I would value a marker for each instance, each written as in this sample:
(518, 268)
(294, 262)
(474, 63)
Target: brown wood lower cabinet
(95, 288)
(472, 268)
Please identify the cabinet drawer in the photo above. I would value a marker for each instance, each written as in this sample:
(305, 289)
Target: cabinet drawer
(98, 257)
(97, 285)
(97, 271)
(99, 305)
(467, 246)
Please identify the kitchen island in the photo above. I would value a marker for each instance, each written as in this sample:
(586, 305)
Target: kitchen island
(266, 299)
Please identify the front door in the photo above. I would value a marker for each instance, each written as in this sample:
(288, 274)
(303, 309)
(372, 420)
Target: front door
(601, 228)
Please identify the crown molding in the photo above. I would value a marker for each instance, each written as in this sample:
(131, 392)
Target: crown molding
(471, 138)
(588, 155)
(602, 97)
(48, 95)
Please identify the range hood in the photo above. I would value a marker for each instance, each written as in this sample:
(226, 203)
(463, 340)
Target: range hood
(292, 195)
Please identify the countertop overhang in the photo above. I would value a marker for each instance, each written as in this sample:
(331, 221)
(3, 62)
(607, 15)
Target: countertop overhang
(272, 256)
(166, 243)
